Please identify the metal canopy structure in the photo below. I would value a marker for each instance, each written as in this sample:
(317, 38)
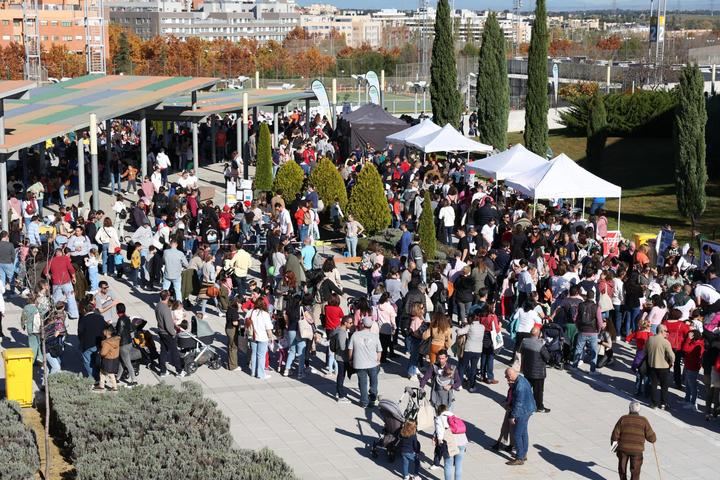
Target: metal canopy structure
(57, 109)
(14, 88)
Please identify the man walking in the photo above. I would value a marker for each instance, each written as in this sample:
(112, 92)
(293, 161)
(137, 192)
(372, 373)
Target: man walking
(364, 352)
(630, 432)
(168, 336)
(535, 357)
(241, 263)
(175, 262)
(660, 358)
(522, 406)
(589, 322)
(7, 263)
(124, 331)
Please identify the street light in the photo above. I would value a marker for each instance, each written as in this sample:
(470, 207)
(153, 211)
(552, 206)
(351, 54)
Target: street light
(470, 76)
(361, 80)
(418, 86)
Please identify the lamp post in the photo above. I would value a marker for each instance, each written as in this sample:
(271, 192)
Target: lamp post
(470, 76)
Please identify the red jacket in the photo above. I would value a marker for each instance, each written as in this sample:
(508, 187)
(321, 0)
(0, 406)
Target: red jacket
(677, 332)
(333, 317)
(640, 338)
(60, 270)
(693, 351)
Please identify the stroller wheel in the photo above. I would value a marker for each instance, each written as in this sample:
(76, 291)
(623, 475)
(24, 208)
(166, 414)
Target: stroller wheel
(391, 456)
(191, 368)
(373, 453)
(215, 364)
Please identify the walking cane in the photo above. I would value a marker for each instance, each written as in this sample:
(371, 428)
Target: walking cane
(657, 462)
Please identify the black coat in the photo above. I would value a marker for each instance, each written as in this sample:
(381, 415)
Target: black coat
(90, 330)
(535, 357)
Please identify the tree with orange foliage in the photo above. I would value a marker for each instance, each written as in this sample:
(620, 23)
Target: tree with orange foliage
(12, 61)
(561, 47)
(60, 62)
(311, 62)
(609, 45)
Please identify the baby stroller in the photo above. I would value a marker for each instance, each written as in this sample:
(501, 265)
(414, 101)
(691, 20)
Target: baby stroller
(554, 337)
(145, 352)
(196, 347)
(393, 418)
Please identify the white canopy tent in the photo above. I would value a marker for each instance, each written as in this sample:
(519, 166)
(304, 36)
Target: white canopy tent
(425, 127)
(447, 139)
(562, 177)
(512, 161)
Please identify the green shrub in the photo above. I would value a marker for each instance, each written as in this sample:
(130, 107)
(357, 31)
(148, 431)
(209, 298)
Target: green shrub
(368, 202)
(289, 179)
(426, 229)
(644, 113)
(19, 459)
(329, 184)
(264, 168)
(153, 433)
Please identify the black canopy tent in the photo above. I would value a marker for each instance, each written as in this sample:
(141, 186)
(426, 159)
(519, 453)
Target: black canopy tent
(369, 124)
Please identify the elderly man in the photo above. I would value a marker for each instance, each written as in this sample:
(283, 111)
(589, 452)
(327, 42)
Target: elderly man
(660, 358)
(630, 432)
(364, 352)
(535, 357)
(522, 406)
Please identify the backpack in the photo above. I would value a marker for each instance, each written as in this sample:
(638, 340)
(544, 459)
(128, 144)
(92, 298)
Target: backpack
(123, 214)
(224, 223)
(317, 260)
(441, 294)
(587, 316)
(30, 208)
(334, 343)
(456, 424)
(211, 235)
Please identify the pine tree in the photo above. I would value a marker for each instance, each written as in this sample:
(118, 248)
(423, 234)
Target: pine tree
(444, 94)
(368, 202)
(689, 143)
(263, 171)
(536, 101)
(289, 178)
(329, 184)
(123, 59)
(426, 229)
(493, 89)
(596, 129)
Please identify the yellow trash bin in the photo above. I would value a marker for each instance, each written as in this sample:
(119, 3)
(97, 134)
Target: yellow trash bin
(19, 375)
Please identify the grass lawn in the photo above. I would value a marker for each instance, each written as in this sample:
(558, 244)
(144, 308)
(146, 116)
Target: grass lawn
(644, 168)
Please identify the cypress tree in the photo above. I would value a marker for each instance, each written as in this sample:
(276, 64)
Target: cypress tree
(596, 128)
(493, 89)
(289, 178)
(368, 202)
(536, 101)
(122, 59)
(263, 170)
(426, 229)
(444, 94)
(329, 184)
(689, 144)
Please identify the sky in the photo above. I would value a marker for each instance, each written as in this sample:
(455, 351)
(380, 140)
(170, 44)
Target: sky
(552, 5)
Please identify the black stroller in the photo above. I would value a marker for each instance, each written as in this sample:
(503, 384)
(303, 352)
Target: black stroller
(393, 419)
(196, 347)
(554, 336)
(144, 351)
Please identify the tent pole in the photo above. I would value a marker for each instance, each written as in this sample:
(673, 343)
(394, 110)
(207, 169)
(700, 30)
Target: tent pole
(583, 212)
(619, 208)
(534, 207)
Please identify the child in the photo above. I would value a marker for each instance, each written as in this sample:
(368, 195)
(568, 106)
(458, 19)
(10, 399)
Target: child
(119, 262)
(135, 262)
(110, 361)
(409, 448)
(178, 312)
(336, 213)
(692, 348)
(92, 262)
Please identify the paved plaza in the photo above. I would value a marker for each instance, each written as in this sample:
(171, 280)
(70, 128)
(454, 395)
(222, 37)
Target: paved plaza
(321, 439)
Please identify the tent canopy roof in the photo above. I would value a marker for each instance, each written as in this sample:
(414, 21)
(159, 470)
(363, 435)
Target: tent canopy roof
(421, 129)
(512, 161)
(562, 177)
(374, 114)
(447, 139)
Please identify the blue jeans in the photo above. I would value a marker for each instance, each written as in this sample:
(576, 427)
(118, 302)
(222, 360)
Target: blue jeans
(407, 459)
(469, 367)
(454, 463)
(332, 364)
(351, 243)
(303, 232)
(296, 349)
(177, 285)
(35, 345)
(94, 278)
(7, 272)
(618, 318)
(90, 363)
(412, 345)
(66, 293)
(631, 317)
(582, 341)
(487, 362)
(53, 364)
(363, 375)
(257, 359)
(653, 328)
(691, 386)
(520, 436)
(105, 256)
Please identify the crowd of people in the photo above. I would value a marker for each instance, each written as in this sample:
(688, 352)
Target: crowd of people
(544, 276)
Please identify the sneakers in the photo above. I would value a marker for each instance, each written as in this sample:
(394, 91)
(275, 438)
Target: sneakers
(342, 400)
(182, 374)
(543, 410)
(435, 467)
(492, 382)
(236, 369)
(130, 384)
(98, 388)
(617, 338)
(266, 377)
(515, 462)
(164, 374)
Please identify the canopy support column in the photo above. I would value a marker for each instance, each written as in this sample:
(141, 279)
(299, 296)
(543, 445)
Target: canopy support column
(307, 116)
(213, 145)
(534, 207)
(81, 165)
(165, 137)
(143, 144)
(108, 152)
(583, 212)
(245, 153)
(275, 127)
(619, 208)
(196, 150)
(3, 182)
(238, 135)
(94, 163)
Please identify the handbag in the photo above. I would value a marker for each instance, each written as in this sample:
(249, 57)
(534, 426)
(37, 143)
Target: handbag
(497, 339)
(244, 344)
(605, 303)
(305, 328)
(212, 291)
(424, 347)
(425, 415)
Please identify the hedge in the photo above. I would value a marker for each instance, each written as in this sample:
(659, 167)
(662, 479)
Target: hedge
(153, 433)
(290, 178)
(19, 458)
(643, 113)
(329, 184)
